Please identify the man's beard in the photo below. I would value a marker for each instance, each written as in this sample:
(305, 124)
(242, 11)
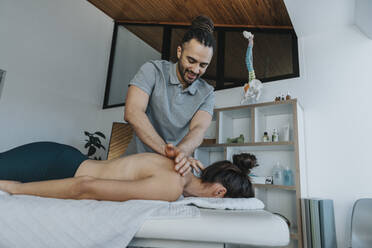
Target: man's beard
(183, 72)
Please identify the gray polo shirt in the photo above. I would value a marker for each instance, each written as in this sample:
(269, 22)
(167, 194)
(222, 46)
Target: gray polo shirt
(170, 108)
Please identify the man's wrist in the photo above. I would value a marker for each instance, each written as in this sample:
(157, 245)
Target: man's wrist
(163, 149)
(182, 149)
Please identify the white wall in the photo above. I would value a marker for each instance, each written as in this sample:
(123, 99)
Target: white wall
(56, 56)
(335, 90)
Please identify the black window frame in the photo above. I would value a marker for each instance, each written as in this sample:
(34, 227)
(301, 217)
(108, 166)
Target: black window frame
(220, 53)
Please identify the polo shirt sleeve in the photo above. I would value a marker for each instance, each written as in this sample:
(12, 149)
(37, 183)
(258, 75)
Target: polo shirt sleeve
(208, 104)
(145, 78)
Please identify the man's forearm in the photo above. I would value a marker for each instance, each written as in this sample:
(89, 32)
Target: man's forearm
(192, 140)
(146, 132)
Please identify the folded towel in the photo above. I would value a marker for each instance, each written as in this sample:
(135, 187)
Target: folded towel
(222, 203)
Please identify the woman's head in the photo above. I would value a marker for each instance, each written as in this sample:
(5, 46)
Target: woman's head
(232, 176)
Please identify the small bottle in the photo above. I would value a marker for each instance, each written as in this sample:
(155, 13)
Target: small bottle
(275, 136)
(288, 176)
(288, 96)
(265, 137)
(278, 174)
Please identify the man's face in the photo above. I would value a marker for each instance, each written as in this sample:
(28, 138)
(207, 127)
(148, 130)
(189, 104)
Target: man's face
(193, 60)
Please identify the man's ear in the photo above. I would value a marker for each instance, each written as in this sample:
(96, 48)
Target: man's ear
(179, 51)
(219, 190)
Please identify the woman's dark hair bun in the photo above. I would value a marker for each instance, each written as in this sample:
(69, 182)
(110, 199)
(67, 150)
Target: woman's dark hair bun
(204, 23)
(245, 162)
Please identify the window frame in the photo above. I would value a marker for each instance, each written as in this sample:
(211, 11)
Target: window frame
(219, 52)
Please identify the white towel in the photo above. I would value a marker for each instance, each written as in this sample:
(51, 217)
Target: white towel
(37, 222)
(223, 203)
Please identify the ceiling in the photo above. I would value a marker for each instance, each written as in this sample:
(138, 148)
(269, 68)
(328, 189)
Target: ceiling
(270, 14)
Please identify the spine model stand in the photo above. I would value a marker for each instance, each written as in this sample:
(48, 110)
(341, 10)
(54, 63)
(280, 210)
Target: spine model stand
(252, 89)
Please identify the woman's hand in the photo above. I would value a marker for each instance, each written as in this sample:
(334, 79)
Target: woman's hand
(8, 186)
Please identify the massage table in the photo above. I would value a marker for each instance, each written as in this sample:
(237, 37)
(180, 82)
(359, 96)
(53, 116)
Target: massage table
(215, 228)
(49, 222)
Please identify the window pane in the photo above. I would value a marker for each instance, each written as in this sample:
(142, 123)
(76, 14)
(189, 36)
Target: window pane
(134, 46)
(272, 55)
(177, 35)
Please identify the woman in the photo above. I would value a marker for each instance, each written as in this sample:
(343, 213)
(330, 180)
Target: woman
(145, 176)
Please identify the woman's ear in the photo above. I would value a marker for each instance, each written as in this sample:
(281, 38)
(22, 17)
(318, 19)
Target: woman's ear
(219, 190)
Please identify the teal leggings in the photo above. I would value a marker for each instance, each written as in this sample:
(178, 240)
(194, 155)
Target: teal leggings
(40, 161)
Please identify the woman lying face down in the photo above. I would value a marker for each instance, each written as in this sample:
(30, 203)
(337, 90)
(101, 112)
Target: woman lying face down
(145, 176)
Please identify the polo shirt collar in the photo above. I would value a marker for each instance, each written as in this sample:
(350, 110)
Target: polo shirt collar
(173, 79)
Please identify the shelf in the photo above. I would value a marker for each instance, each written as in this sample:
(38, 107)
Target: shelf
(273, 186)
(259, 146)
(291, 101)
(252, 121)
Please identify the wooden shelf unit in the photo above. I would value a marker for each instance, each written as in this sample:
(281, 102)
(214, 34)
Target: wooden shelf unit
(252, 121)
(273, 186)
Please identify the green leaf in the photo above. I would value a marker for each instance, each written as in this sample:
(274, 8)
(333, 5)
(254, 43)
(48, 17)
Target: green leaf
(87, 133)
(100, 146)
(87, 144)
(100, 134)
(96, 141)
(91, 151)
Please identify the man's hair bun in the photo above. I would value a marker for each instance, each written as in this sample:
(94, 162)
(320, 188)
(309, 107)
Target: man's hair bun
(245, 162)
(204, 23)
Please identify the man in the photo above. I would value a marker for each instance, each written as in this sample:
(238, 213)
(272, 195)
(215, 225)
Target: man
(170, 104)
(144, 176)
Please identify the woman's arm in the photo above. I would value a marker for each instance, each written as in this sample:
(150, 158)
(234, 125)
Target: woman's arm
(156, 187)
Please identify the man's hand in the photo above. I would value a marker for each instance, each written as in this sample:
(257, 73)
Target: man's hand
(183, 164)
(196, 164)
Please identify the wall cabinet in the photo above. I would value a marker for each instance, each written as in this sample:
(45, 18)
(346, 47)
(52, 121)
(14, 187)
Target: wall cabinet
(252, 121)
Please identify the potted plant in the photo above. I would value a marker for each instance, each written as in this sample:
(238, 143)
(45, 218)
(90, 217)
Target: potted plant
(94, 143)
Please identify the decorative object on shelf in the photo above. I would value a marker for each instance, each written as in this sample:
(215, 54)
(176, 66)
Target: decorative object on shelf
(288, 96)
(265, 137)
(252, 89)
(275, 136)
(278, 174)
(285, 133)
(237, 140)
(209, 141)
(281, 97)
(288, 177)
(94, 143)
(261, 179)
(269, 180)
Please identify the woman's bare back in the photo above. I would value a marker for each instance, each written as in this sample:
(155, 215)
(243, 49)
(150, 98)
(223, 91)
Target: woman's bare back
(132, 167)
